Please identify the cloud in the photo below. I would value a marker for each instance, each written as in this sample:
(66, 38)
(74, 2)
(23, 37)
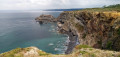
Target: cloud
(52, 4)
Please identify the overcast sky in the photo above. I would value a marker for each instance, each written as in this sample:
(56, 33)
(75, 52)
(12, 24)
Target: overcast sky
(53, 4)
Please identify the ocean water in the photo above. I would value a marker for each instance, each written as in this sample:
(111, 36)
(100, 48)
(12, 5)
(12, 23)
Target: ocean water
(19, 29)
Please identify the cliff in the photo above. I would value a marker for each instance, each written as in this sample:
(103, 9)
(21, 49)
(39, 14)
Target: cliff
(89, 31)
(96, 29)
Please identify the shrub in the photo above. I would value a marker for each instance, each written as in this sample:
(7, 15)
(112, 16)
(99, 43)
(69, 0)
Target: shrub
(84, 36)
(92, 55)
(109, 45)
(83, 52)
(79, 27)
(119, 31)
(41, 53)
(82, 46)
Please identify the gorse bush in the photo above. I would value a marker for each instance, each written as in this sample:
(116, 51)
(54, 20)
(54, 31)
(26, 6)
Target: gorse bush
(82, 46)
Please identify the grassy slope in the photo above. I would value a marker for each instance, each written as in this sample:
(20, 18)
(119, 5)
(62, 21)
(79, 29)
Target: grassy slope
(80, 50)
(108, 8)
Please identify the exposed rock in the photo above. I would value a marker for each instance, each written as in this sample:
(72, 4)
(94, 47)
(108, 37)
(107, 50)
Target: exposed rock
(96, 29)
(79, 51)
(45, 18)
(33, 52)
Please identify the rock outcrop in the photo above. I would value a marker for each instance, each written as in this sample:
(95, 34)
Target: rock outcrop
(45, 19)
(96, 29)
(79, 51)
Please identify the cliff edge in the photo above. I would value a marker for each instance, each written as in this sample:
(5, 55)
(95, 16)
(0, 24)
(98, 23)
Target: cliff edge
(79, 51)
(89, 31)
(96, 29)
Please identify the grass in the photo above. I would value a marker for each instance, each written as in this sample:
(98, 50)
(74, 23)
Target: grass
(92, 55)
(82, 52)
(41, 53)
(82, 46)
(14, 52)
(104, 8)
(11, 53)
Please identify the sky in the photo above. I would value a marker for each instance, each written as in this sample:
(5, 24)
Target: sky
(53, 4)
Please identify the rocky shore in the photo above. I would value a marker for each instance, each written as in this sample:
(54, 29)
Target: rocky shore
(96, 29)
(72, 37)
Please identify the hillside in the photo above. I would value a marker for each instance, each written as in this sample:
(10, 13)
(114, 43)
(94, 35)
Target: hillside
(97, 30)
(79, 51)
(104, 8)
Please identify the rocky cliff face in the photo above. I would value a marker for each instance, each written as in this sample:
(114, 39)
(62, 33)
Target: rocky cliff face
(96, 29)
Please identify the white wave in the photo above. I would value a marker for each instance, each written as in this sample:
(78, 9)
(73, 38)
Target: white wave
(50, 44)
(57, 49)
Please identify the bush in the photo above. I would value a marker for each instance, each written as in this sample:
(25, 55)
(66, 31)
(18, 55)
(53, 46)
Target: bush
(119, 31)
(82, 46)
(84, 36)
(109, 45)
(42, 53)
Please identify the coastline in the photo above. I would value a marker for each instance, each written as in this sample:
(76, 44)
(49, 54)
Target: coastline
(91, 32)
(73, 40)
(72, 37)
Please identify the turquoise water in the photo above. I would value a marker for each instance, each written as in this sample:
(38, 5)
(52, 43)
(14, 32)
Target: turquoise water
(19, 29)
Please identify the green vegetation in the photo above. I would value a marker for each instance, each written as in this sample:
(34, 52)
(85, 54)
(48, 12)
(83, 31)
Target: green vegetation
(84, 35)
(86, 51)
(119, 31)
(82, 46)
(113, 6)
(105, 8)
(15, 52)
(109, 45)
(41, 53)
(11, 53)
(92, 55)
(82, 52)
(79, 27)
(90, 49)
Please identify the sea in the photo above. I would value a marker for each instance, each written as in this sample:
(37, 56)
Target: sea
(20, 30)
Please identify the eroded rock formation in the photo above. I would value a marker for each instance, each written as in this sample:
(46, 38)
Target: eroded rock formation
(96, 29)
(45, 19)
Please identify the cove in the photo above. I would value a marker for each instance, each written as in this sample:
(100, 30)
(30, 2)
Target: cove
(19, 29)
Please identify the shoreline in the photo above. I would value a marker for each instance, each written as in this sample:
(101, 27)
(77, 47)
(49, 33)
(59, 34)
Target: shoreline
(73, 37)
(73, 40)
